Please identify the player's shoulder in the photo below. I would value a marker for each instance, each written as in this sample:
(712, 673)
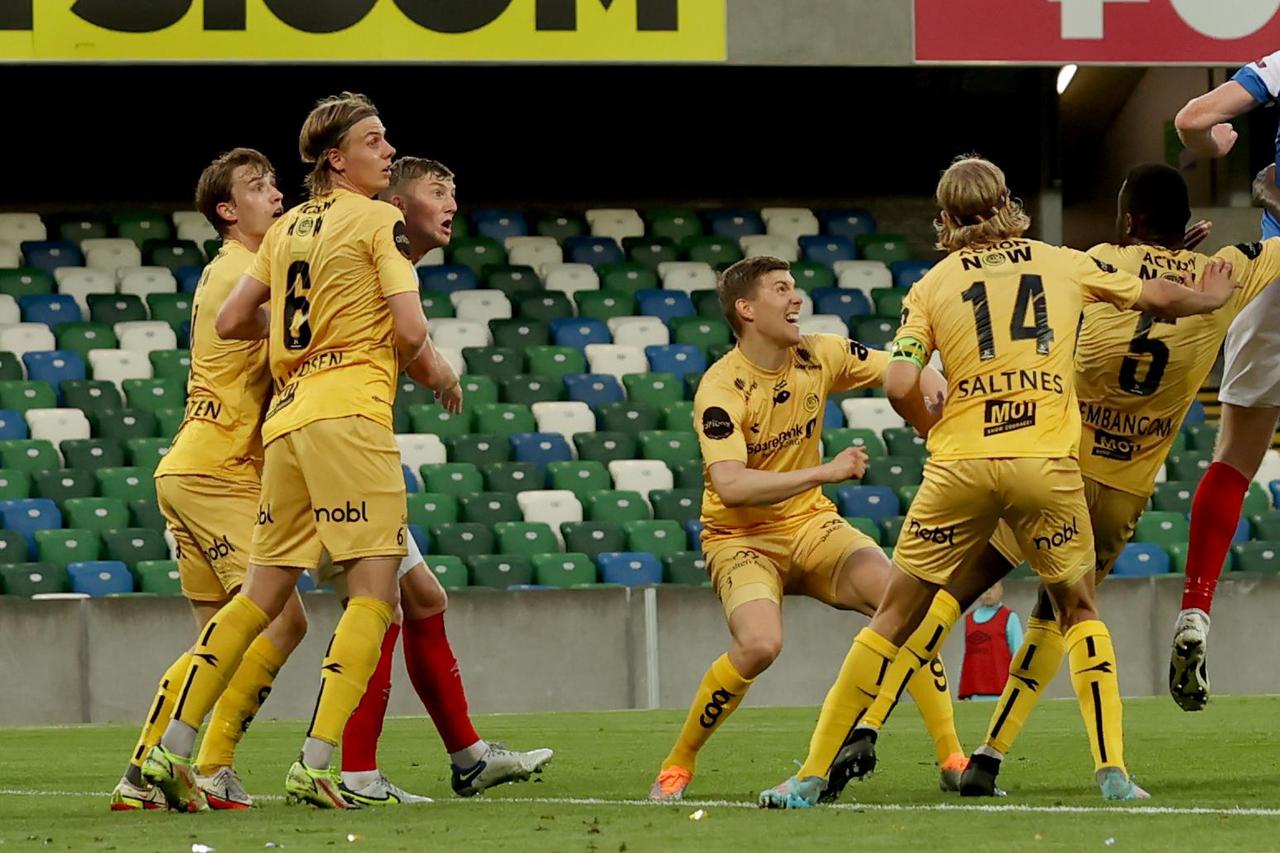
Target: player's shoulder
(231, 262)
(1248, 251)
(721, 371)
(372, 210)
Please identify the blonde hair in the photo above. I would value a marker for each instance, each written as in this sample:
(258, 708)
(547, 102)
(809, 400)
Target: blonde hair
(976, 204)
(324, 130)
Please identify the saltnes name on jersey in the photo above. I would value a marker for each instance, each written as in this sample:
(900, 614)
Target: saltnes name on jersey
(1010, 380)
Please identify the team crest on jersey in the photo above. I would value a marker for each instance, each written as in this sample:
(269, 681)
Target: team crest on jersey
(305, 226)
(811, 403)
(401, 235)
(1009, 416)
(994, 259)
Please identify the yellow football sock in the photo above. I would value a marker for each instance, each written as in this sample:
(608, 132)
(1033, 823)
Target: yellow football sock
(216, 657)
(1093, 676)
(923, 674)
(353, 655)
(856, 687)
(161, 708)
(718, 696)
(238, 705)
(1034, 666)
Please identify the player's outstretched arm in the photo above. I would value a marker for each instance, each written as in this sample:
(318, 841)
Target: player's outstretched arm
(902, 385)
(431, 369)
(737, 485)
(1203, 124)
(1169, 300)
(244, 316)
(410, 325)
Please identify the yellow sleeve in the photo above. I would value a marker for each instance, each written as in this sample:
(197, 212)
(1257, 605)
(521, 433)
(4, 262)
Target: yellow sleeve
(390, 246)
(1254, 265)
(260, 268)
(850, 364)
(718, 414)
(1102, 282)
(915, 339)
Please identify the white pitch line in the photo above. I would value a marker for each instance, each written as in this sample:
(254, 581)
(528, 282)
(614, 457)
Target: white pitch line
(1002, 808)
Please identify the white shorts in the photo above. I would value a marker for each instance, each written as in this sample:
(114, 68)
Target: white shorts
(327, 572)
(1251, 354)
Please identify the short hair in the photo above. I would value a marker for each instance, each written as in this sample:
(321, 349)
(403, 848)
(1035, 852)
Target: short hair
(739, 282)
(979, 210)
(214, 186)
(324, 130)
(1155, 197)
(406, 170)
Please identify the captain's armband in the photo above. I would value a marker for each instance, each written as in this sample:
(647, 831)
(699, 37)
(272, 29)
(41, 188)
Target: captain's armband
(910, 349)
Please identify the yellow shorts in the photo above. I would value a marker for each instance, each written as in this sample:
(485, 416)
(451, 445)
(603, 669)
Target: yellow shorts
(332, 485)
(960, 503)
(1113, 514)
(802, 560)
(212, 523)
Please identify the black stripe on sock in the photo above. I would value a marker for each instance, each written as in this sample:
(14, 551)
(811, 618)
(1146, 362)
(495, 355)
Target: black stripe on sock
(1026, 659)
(1004, 714)
(1089, 646)
(213, 623)
(155, 709)
(884, 669)
(1097, 719)
(933, 641)
(316, 710)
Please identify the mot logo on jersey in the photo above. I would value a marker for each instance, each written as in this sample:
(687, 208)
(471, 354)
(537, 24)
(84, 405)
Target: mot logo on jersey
(1108, 445)
(1009, 415)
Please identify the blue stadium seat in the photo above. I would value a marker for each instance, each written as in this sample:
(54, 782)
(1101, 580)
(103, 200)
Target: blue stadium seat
(1195, 415)
(907, 273)
(28, 516)
(188, 278)
(827, 249)
(50, 309)
(54, 367)
(844, 303)
(694, 528)
(832, 416)
(499, 224)
(874, 502)
(447, 278)
(629, 568)
(48, 255)
(1273, 486)
(1242, 533)
(410, 479)
(540, 448)
(734, 223)
(101, 577)
(593, 250)
(851, 222)
(12, 424)
(578, 332)
(594, 389)
(666, 305)
(421, 537)
(1140, 560)
(679, 359)
(306, 583)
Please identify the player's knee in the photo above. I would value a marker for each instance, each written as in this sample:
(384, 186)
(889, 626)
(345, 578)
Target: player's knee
(759, 651)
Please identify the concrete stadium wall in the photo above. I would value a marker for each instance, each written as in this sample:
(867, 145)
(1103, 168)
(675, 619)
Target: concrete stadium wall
(97, 660)
(820, 32)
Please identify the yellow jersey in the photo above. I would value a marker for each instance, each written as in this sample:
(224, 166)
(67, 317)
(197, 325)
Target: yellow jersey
(1004, 318)
(228, 389)
(771, 420)
(1137, 376)
(331, 263)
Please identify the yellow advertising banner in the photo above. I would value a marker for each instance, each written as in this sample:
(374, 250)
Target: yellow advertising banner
(363, 30)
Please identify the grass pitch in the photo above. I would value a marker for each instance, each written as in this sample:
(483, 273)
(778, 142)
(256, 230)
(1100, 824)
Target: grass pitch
(1213, 776)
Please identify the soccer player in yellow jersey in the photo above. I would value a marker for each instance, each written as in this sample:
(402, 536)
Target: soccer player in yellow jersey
(207, 486)
(1002, 311)
(769, 530)
(344, 317)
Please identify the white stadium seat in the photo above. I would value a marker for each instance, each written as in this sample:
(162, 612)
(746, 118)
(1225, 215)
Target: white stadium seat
(453, 355)
(533, 251)
(143, 281)
(81, 282)
(687, 276)
(10, 313)
(862, 275)
(186, 217)
(480, 306)
(640, 475)
(57, 425)
(567, 418)
(17, 228)
(1269, 469)
(551, 507)
(145, 335)
(109, 254)
(198, 232)
(616, 223)
(829, 324)
(874, 413)
(806, 305)
(10, 255)
(22, 338)
(434, 258)
(451, 332)
(569, 278)
(773, 245)
(419, 450)
(639, 331)
(117, 365)
(791, 222)
(616, 359)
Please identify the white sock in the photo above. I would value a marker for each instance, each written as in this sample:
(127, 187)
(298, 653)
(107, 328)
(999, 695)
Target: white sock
(469, 756)
(316, 754)
(357, 779)
(179, 738)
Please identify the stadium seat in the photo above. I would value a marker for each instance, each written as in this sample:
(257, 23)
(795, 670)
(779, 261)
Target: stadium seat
(512, 279)
(541, 448)
(640, 476)
(517, 334)
(504, 419)
(615, 223)
(847, 222)
(663, 304)
(30, 455)
(451, 478)
(866, 276)
(151, 395)
(9, 311)
(618, 360)
(565, 418)
(700, 332)
(887, 303)
(63, 547)
(685, 567)
(174, 255)
(22, 395)
(602, 305)
(500, 571)
(553, 507)
(121, 424)
(890, 528)
(593, 537)
(25, 281)
(533, 251)
(1141, 559)
(638, 332)
(671, 447)
(525, 538)
(629, 568)
(714, 252)
(462, 539)
(481, 306)
(158, 577)
(628, 417)
(119, 366)
(15, 484)
(894, 472)
(542, 305)
(528, 390)
(580, 478)
(10, 367)
(686, 276)
(146, 513)
(734, 223)
(13, 425)
(92, 453)
(126, 483)
(1162, 528)
(145, 281)
(479, 389)
(57, 425)
(461, 334)
(676, 504)
(657, 537)
(29, 579)
(595, 251)
(110, 255)
(83, 337)
(1269, 469)
(903, 441)
(475, 253)
(627, 278)
(1260, 557)
(435, 420)
(593, 389)
(605, 446)
(769, 245)
(492, 361)
(1189, 466)
(25, 517)
(827, 249)
(100, 577)
(649, 251)
(908, 272)
(50, 309)
(569, 279)
(676, 359)
(48, 255)
(823, 324)
(874, 413)
(885, 248)
(141, 226)
(488, 507)
(1266, 526)
(419, 450)
(514, 477)
(836, 440)
(563, 570)
(22, 338)
(843, 303)
(498, 224)
(554, 361)
(427, 509)
(869, 527)
(578, 333)
(874, 502)
(616, 506)
(477, 448)
(171, 364)
(436, 304)
(449, 570)
(674, 224)
(54, 367)
(678, 417)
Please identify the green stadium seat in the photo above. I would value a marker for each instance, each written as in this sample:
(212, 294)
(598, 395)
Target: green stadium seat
(675, 224)
(92, 453)
(96, 514)
(28, 579)
(545, 305)
(676, 504)
(126, 483)
(867, 526)
(29, 454)
(1162, 528)
(123, 424)
(504, 419)
(436, 305)
(462, 539)
(513, 477)
(836, 440)
(449, 570)
(131, 545)
(888, 302)
(659, 538)
(688, 474)
(526, 389)
(427, 509)
(90, 395)
(669, 446)
(525, 538)
(500, 571)
(1259, 557)
(168, 421)
(150, 395)
(1266, 526)
(560, 225)
(678, 416)
(476, 253)
(22, 395)
(685, 567)
(563, 570)
(619, 506)
(627, 277)
(718, 252)
(70, 545)
(903, 441)
(653, 389)
(489, 507)
(10, 367)
(146, 453)
(451, 478)
(171, 308)
(886, 248)
(59, 485)
(112, 308)
(83, 337)
(435, 419)
(146, 513)
(479, 389)
(873, 331)
(15, 484)
(477, 448)
(650, 251)
(511, 280)
(701, 332)
(25, 281)
(603, 305)
(211, 247)
(554, 361)
(491, 361)
(518, 334)
(1189, 466)
(1256, 500)
(890, 528)
(1201, 436)
(605, 446)
(706, 304)
(141, 227)
(173, 255)
(628, 416)
(894, 472)
(593, 537)
(580, 477)
(158, 577)
(691, 381)
(171, 364)
(718, 351)
(906, 494)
